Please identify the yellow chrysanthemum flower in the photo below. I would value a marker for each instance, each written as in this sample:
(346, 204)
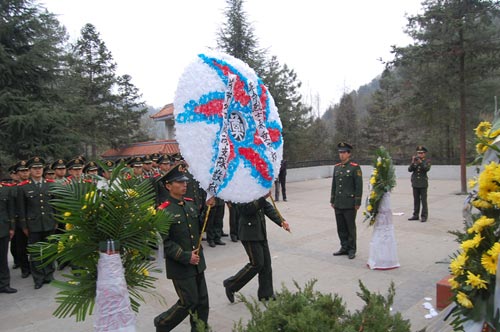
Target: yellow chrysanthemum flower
(67, 214)
(375, 173)
(145, 272)
(68, 226)
(481, 148)
(373, 194)
(480, 224)
(472, 243)
(453, 283)
(131, 193)
(84, 207)
(464, 301)
(481, 204)
(152, 210)
(60, 247)
(472, 183)
(495, 249)
(89, 195)
(483, 129)
(494, 198)
(489, 263)
(475, 281)
(456, 265)
(494, 134)
(369, 208)
(373, 180)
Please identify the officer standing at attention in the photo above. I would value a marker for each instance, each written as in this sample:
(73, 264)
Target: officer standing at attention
(419, 182)
(185, 263)
(347, 189)
(7, 227)
(36, 216)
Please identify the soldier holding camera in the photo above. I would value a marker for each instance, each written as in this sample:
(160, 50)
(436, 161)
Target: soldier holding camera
(419, 182)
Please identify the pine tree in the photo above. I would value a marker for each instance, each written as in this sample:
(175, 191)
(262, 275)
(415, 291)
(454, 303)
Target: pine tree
(346, 121)
(456, 48)
(237, 38)
(33, 120)
(93, 72)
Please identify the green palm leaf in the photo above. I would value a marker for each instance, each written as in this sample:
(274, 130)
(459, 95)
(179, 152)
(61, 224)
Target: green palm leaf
(123, 213)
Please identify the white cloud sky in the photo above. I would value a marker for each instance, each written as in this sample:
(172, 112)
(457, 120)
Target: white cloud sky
(333, 46)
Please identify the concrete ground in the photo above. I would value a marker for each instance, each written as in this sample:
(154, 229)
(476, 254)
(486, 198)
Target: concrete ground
(303, 254)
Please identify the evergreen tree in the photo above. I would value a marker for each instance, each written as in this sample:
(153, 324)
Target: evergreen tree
(346, 121)
(382, 125)
(93, 77)
(456, 48)
(126, 117)
(284, 86)
(33, 120)
(237, 38)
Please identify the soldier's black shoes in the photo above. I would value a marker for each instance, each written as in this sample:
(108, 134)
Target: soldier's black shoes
(340, 253)
(424, 219)
(219, 243)
(267, 298)
(352, 255)
(224, 234)
(38, 286)
(8, 290)
(16, 266)
(211, 244)
(25, 275)
(230, 295)
(413, 218)
(234, 238)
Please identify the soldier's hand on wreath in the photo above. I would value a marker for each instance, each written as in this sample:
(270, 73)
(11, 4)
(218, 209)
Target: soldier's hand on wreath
(195, 258)
(211, 201)
(285, 226)
(268, 194)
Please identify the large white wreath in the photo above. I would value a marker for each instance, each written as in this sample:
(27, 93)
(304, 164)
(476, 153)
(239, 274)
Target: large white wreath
(228, 127)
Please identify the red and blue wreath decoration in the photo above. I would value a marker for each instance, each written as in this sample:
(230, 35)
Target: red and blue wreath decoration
(228, 127)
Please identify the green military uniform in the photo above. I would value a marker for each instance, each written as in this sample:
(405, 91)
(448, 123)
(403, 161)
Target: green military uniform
(7, 227)
(37, 216)
(347, 189)
(419, 182)
(253, 236)
(188, 279)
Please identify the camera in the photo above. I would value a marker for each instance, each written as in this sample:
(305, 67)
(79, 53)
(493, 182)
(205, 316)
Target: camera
(417, 158)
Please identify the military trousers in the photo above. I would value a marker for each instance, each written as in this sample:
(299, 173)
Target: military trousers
(4, 265)
(346, 229)
(233, 222)
(193, 298)
(281, 182)
(215, 223)
(40, 274)
(260, 263)
(420, 198)
(20, 244)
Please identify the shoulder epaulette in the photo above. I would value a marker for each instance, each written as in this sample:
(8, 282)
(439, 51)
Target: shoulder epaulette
(87, 181)
(23, 183)
(145, 176)
(189, 199)
(156, 175)
(49, 181)
(338, 164)
(9, 184)
(164, 205)
(354, 164)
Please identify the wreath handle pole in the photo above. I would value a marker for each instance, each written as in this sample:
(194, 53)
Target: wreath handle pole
(203, 228)
(276, 208)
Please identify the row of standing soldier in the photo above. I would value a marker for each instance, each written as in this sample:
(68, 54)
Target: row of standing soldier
(27, 217)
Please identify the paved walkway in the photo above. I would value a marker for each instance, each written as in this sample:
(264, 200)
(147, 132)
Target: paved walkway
(306, 253)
